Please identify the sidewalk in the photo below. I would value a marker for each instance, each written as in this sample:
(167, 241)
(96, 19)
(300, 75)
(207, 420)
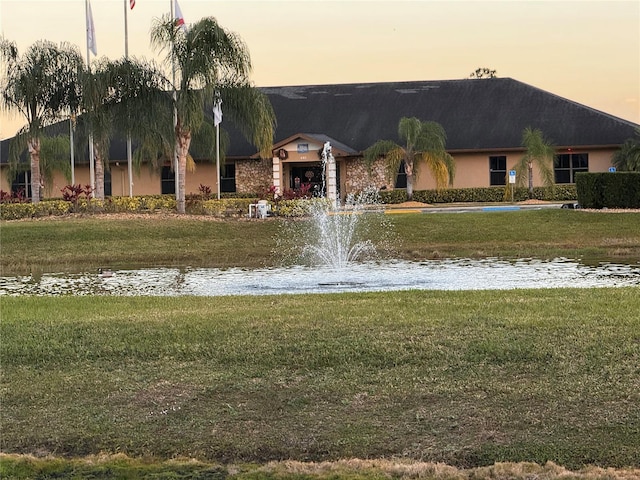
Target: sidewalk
(462, 208)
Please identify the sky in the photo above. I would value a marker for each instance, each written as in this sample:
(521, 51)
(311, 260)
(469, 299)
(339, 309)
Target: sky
(585, 51)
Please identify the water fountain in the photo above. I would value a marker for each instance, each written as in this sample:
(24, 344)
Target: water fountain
(337, 250)
(338, 235)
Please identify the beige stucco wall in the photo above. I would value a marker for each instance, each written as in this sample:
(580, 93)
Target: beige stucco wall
(255, 176)
(599, 160)
(472, 169)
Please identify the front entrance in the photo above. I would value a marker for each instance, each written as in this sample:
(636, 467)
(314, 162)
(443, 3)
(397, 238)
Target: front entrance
(307, 178)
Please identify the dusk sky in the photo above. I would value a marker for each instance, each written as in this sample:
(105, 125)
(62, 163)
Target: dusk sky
(585, 51)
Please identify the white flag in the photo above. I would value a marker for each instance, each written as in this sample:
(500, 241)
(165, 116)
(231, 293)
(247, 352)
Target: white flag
(178, 16)
(91, 31)
(217, 112)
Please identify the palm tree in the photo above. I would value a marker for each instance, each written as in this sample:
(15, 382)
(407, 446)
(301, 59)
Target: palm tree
(540, 152)
(424, 143)
(627, 159)
(97, 118)
(54, 157)
(206, 60)
(40, 85)
(141, 107)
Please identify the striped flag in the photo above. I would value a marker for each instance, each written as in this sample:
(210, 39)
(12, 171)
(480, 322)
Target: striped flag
(178, 16)
(91, 31)
(132, 3)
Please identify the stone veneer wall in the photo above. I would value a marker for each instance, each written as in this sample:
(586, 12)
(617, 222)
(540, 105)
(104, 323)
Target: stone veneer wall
(254, 176)
(359, 175)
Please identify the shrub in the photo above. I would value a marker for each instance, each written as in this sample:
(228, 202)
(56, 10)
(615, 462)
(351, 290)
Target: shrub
(480, 194)
(225, 207)
(154, 203)
(48, 208)
(124, 204)
(13, 197)
(14, 211)
(608, 190)
(298, 208)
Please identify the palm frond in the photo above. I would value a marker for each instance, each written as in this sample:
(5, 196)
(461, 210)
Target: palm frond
(55, 156)
(409, 130)
(379, 149)
(440, 164)
(251, 112)
(393, 160)
(628, 157)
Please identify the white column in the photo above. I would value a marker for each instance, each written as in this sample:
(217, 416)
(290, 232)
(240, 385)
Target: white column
(277, 175)
(332, 187)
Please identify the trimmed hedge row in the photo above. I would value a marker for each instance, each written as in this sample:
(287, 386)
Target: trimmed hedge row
(239, 206)
(483, 194)
(608, 190)
(226, 207)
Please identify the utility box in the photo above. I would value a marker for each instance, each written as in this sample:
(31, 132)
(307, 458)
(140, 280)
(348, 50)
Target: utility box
(262, 209)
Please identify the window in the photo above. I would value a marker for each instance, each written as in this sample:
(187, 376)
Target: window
(21, 185)
(401, 180)
(566, 165)
(167, 180)
(107, 183)
(497, 170)
(228, 179)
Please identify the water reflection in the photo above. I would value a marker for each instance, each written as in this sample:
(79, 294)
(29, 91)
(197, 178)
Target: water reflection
(462, 274)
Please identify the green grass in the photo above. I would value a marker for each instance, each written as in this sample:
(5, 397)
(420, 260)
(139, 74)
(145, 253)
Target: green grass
(84, 244)
(466, 378)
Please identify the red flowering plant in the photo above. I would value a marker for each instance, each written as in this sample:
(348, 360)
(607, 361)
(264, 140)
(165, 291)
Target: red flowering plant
(73, 193)
(13, 197)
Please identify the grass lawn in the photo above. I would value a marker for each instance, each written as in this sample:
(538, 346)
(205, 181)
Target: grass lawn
(464, 378)
(467, 378)
(84, 244)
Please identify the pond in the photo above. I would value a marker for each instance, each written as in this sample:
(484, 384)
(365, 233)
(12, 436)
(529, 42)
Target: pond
(449, 274)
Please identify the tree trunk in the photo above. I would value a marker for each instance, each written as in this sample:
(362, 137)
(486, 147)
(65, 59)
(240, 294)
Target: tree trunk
(184, 140)
(408, 169)
(99, 172)
(33, 145)
(530, 180)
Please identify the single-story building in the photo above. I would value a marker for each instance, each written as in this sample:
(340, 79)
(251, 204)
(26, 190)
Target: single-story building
(483, 118)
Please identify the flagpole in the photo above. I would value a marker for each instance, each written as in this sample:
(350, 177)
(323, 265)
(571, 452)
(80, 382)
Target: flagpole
(71, 150)
(217, 120)
(92, 174)
(175, 111)
(218, 157)
(126, 56)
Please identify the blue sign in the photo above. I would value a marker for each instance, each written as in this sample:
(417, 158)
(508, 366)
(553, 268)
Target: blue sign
(612, 169)
(512, 173)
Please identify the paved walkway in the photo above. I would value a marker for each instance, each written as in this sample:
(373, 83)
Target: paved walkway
(474, 208)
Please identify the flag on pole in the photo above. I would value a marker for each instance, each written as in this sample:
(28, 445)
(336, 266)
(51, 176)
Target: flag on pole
(178, 16)
(217, 112)
(91, 31)
(132, 3)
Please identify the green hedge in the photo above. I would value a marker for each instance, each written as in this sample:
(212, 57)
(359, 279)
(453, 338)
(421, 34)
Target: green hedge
(483, 194)
(15, 211)
(608, 190)
(234, 206)
(226, 207)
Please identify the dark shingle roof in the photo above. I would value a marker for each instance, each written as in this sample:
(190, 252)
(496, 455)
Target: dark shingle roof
(477, 114)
